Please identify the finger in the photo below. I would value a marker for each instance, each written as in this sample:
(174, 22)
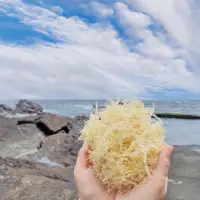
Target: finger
(163, 164)
(81, 162)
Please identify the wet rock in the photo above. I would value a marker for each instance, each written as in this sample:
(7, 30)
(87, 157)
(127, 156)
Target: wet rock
(26, 106)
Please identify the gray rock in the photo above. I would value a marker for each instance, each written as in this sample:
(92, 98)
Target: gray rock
(51, 124)
(81, 118)
(21, 179)
(31, 119)
(26, 106)
(6, 109)
(8, 128)
(16, 141)
(61, 148)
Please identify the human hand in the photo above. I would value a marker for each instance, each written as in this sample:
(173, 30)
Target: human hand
(88, 186)
(90, 189)
(156, 187)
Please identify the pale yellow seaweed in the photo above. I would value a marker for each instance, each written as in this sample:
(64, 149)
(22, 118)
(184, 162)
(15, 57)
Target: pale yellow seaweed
(125, 144)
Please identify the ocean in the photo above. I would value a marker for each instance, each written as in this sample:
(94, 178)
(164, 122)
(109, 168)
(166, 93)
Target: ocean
(178, 132)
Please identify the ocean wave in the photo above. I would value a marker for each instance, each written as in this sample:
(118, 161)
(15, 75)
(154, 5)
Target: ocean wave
(84, 107)
(5, 114)
(24, 115)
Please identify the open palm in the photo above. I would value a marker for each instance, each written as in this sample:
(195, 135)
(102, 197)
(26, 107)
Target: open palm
(90, 189)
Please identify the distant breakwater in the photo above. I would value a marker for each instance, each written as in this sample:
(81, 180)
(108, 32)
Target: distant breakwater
(166, 115)
(178, 116)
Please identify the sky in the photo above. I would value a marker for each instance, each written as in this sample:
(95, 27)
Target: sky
(85, 49)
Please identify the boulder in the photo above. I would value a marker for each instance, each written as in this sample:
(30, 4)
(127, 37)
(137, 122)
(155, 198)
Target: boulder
(17, 141)
(21, 179)
(28, 107)
(51, 124)
(48, 123)
(31, 119)
(61, 148)
(8, 128)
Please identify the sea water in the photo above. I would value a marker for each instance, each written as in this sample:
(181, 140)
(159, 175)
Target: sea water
(178, 132)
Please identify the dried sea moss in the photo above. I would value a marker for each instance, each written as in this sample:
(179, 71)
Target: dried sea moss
(125, 143)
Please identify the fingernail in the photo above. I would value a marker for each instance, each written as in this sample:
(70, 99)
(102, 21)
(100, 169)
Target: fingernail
(169, 150)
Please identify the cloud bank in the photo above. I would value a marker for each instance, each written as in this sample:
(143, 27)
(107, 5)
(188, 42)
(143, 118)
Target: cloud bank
(99, 50)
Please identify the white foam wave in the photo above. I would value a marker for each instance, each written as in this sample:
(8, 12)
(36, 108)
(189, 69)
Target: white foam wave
(5, 114)
(84, 107)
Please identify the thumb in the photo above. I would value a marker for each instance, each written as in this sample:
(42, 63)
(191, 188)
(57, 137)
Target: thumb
(159, 178)
(82, 159)
(163, 164)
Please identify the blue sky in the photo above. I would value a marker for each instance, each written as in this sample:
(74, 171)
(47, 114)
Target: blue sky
(63, 49)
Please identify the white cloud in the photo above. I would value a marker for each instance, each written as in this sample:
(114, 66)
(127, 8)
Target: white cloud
(57, 9)
(129, 18)
(181, 20)
(101, 9)
(174, 15)
(91, 62)
(136, 23)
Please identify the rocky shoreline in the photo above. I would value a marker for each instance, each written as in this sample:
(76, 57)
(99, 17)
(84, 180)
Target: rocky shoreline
(38, 153)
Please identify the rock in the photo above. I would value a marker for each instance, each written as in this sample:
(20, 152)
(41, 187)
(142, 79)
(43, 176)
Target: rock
(48, 123)
(26, 106)
(81, 118)
(51, 124)
(21, 179)
(26, 141)
(29, 119)
(17, 141)
(61, 148)
(8, 128)
(6, 109)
